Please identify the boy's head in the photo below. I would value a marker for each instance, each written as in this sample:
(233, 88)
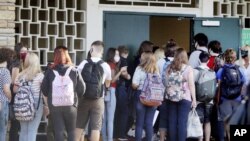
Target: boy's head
(201, 39)
(123, 51)
(204, 57)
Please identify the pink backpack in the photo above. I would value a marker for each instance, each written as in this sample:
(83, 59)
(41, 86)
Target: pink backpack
(153, 90)
(62, 89)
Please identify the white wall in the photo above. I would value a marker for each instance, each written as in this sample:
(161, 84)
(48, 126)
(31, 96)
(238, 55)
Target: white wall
(95, 15)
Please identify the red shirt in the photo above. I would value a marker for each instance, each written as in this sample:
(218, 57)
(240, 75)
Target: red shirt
(210, 63)
(113, 68)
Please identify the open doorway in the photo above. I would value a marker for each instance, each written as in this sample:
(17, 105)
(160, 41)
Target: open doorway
(163, 28)
(131, 29)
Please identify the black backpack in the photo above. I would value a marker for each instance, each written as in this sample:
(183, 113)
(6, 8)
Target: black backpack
(231, 83)
(92, 74)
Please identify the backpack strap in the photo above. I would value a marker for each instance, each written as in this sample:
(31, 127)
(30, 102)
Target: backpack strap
(68, 71)
(56, 73)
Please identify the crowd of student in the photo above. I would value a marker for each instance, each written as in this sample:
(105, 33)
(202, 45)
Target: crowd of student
(103, 97)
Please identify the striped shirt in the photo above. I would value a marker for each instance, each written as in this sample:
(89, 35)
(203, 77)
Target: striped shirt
(5, 78)
(36, 84)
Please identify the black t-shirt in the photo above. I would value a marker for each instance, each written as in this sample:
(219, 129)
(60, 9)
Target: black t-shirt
(123, 63)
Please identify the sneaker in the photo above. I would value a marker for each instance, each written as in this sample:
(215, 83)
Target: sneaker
(122, 139)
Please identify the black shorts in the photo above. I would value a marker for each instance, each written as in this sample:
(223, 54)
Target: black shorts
(204, 111)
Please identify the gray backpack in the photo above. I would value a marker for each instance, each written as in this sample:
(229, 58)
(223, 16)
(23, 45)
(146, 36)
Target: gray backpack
(205, 85)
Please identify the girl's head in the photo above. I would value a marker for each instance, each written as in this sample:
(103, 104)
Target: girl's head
(230, 56)
(113, 55)
(6, 55)
(31, 66)
(21, 51)
(148, 62)
(146, 46)
(61, 56)
(180, 58)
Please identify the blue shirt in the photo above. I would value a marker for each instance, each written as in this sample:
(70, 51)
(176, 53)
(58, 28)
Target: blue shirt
(243, 77)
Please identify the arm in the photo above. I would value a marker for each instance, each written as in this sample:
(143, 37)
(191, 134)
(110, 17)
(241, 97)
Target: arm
(6, 91)
(45, 83)
(136, 79)
(80, 85)
(192, 87)
(15, 72)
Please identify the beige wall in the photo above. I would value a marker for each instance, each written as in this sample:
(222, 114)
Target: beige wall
(7, 25)
(164, 28)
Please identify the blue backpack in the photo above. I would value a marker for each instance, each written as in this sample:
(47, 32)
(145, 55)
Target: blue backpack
(231, 82)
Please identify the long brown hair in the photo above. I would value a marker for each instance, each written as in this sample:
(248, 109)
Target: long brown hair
(148, 62)
(180, 58)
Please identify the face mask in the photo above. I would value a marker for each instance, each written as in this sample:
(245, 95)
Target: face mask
(23, 56)
(117, 58)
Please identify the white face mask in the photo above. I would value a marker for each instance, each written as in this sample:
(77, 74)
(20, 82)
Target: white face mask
(117, 58)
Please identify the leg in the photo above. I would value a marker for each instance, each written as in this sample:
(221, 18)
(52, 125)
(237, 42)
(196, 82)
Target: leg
(4, 115)
(50, 131)
(122, 103)
(140, 116)
(163, 121)
(149, 116)
(82, 119)
(172, 121)
(58, 122)
(29, 128)
(70, 122)
(182, 116)
(104, 123)
(96, 115)
(110, 112)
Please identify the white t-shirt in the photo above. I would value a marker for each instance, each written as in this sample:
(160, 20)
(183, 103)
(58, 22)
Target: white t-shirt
(194, 60)
(105, 66)
(139, 77)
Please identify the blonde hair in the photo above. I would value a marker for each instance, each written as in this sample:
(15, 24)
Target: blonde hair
(230, 56)
(159, 54)
(31, 66)
(180, 58)
(148, 63)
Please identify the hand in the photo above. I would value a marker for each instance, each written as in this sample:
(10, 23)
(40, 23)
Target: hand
(45, 110)
(123, 69)
(193, 105)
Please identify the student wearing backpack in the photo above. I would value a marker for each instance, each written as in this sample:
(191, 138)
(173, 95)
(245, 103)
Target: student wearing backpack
(231, 79)
(113, 59)
(144, 113)
(6, 55)
(180, 95)
(15, 67)
(96, 73)
(215, 61)
(205, 84)
(27, 88)
(62, 86)
(162, 64)
(200, 41)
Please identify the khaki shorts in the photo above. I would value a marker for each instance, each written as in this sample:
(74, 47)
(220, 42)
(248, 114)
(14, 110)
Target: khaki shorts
(92, 111)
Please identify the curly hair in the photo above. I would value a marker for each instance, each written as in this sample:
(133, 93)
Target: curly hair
(230, 56)
(6, 54)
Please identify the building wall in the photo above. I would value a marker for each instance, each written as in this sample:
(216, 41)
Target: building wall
(95, 14)
(7, 25)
